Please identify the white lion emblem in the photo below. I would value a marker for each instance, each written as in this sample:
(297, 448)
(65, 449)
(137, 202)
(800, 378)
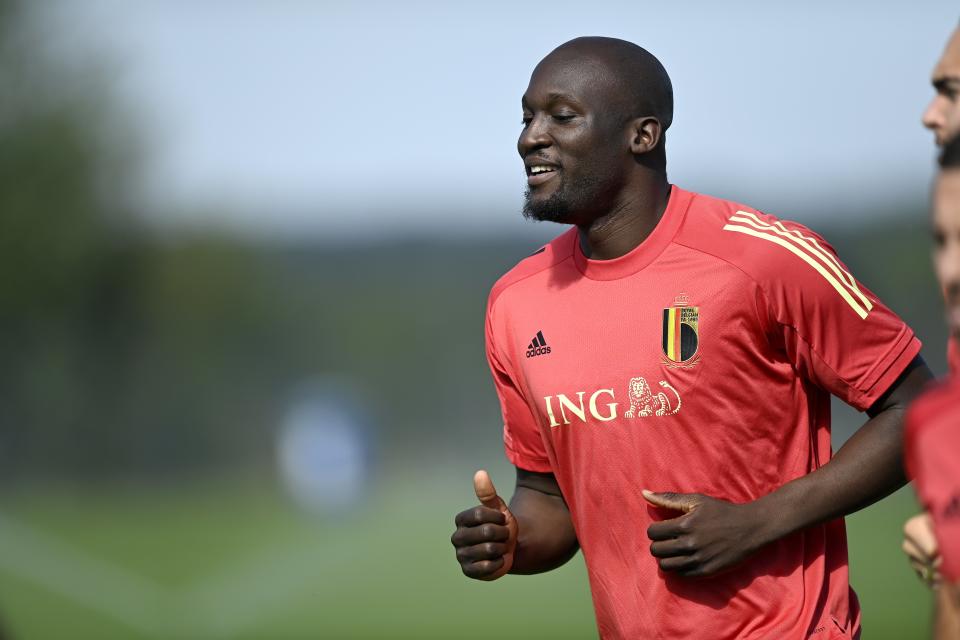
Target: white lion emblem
(644, 404)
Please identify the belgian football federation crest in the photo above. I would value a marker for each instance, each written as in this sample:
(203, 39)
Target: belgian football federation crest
(681, 337)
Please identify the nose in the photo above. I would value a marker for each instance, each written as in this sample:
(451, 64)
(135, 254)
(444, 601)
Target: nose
(534, 136)
(933, 118)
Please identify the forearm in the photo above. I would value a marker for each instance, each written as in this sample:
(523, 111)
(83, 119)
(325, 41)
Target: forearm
(546, 537)
(867, 468)
(946, 624)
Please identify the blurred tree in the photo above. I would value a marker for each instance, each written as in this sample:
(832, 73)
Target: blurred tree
(64, 275)
(120, 353)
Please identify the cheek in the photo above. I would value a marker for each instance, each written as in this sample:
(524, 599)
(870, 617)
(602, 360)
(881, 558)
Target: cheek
(946, 263)
(951, 115)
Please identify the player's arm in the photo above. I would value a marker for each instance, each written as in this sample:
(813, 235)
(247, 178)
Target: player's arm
(868, 467)
(946, 623)
(532, 535)
(714, 534)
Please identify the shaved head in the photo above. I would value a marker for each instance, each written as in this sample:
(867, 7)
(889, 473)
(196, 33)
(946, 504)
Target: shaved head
(638, 83)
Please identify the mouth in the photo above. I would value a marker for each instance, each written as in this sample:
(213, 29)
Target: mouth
(538, 174)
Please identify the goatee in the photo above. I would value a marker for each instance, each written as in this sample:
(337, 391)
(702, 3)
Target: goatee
(572, 199)
(553, 209)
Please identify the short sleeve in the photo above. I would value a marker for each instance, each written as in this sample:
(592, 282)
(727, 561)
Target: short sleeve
(521, 434)
(835, 331)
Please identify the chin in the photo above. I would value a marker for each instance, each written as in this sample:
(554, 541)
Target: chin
(546, 209)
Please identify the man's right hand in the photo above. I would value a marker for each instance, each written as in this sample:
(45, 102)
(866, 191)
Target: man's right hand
(486, 535)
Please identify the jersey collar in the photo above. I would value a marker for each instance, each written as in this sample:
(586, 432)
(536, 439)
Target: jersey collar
(645, 252)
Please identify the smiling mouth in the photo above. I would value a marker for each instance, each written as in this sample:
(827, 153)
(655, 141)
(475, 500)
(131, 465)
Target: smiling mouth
(539, 173)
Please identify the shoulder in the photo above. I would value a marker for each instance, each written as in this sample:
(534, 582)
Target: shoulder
(542, 260)
(758, 243)
(787, 260)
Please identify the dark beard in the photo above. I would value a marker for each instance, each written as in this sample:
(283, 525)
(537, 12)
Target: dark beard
(567, 204)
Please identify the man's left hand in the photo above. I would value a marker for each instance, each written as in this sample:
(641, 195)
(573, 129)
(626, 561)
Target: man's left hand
(710, 536)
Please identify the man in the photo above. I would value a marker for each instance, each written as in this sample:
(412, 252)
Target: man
(942, 117)
(663, 369)
(932, 540)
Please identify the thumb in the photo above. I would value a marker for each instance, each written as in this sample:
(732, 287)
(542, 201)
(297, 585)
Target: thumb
(486, 493)
(684, 502)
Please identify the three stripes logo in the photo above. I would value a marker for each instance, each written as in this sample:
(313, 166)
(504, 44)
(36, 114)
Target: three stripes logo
(538, 346)
(807, 249)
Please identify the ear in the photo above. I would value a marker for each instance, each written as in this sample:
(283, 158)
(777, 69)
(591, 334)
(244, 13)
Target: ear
(645, 134)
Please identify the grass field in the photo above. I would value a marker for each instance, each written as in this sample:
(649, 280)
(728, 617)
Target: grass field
(222, 560)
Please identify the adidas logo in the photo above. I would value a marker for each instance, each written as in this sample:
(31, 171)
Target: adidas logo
(538, 346)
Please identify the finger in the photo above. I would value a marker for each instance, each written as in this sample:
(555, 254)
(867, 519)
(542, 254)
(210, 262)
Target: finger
(919, 530)
(478, 552)
(679, 564)
(478, 516)
(923, 545)
(685, 502)
(466, 536)
(670, 548)
(913, 551)
(669, 529)
(481, 570)
(486, 493)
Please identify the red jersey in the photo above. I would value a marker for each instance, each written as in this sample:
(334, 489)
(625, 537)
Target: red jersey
(702, 361)
(932, 454)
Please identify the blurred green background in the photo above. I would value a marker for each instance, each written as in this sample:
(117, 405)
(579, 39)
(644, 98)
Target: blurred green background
(147, 383)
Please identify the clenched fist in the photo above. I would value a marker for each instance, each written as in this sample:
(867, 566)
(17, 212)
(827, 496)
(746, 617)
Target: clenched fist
(920, 545)
(486, 535)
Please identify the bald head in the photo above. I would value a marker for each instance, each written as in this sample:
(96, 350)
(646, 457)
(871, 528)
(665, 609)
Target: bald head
(637, 82)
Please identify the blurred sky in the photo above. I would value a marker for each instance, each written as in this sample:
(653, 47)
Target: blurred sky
(333, 119)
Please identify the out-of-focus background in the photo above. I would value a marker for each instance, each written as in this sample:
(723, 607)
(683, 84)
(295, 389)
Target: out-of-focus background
(245, 250)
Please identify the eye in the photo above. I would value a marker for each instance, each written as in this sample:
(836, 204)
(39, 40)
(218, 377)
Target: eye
(525, 121)
(938, 240)
(564, 117)
(949, 90)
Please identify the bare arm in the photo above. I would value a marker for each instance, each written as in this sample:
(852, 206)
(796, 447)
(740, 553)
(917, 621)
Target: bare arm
(868, 467)
(946, 624)
(546, 536)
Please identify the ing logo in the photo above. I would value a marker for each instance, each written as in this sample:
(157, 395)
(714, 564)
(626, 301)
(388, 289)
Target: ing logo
(600, 405)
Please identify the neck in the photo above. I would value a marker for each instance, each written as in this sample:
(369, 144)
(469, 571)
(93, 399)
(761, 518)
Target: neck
(627, 224)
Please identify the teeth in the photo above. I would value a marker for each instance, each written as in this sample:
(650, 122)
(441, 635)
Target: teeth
(540, 169)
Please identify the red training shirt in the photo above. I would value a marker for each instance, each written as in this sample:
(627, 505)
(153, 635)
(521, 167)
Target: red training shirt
(702, 361)
(932, 455)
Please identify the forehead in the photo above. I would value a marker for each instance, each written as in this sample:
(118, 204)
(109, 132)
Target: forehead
(582, 78)
(949, 63)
